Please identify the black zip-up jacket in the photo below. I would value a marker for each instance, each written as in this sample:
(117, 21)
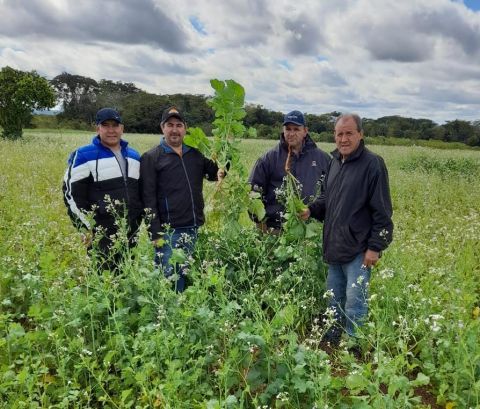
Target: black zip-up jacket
(94, 173)
(356, 206)
(269, 171)
(172, 186)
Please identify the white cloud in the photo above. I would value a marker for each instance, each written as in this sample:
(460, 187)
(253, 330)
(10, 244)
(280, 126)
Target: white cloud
(375, 57)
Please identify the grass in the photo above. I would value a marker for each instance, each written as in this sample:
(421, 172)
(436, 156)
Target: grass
(244, 334)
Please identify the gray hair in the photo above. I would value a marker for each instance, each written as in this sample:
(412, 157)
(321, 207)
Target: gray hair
(355, 117)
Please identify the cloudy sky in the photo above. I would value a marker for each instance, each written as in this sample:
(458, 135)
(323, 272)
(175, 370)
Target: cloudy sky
(418, 58)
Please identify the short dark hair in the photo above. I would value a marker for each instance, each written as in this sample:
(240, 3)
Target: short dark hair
(355, 117)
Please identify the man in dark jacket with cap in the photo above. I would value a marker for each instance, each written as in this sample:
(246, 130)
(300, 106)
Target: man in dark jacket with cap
(307, 163)
(357, 211)
(103, 177)
(172, 189)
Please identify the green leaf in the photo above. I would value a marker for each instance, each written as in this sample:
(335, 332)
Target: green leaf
(197, 139)
(356, 382)
(313, 229)
(257, 208)
(15, 330)
(125, 394)
(421, 380)
(178, 257)
(217, 85)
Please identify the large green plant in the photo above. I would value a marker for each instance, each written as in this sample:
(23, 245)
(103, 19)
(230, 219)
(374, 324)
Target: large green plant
(20, 93)
(233, 198)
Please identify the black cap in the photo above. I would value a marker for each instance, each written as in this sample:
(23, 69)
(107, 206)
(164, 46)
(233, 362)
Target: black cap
(172, 112)
(105, 114)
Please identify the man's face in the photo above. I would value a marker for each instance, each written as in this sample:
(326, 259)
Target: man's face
(347, 137)
(294, 135)
(174, 131)
(110, 132)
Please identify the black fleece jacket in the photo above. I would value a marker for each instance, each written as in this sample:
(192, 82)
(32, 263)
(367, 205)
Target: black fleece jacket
(356, 206)
(172, 186)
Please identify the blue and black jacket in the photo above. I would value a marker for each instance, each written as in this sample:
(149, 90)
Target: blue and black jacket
(94, 179)
(172, 186)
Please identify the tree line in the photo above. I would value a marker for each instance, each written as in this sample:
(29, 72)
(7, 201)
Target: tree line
(81, 97)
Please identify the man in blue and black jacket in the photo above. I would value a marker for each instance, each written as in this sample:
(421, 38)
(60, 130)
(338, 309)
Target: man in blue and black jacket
(103, 177)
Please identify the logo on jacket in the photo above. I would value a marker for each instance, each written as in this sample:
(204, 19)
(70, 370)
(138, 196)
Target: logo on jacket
(314, 163)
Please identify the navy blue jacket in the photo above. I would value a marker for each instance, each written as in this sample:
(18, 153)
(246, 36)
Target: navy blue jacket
(268, 174)
(93, 174)
(172, 186)
(356, 206)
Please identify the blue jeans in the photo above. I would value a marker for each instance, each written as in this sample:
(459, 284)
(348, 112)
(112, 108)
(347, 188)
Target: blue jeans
(349, 283)
(180, 238)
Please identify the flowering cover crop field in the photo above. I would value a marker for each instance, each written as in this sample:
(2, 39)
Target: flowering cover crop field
(246, 333)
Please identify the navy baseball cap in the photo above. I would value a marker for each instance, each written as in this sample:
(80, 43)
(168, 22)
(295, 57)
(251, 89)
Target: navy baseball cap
(105, 114)
(172, 112)
(294, 117)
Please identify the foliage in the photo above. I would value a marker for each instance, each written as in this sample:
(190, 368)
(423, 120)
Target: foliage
(20, 93)
(83, 96)
(232, 199)
(247, 332)
(78, 96)
(445, 167)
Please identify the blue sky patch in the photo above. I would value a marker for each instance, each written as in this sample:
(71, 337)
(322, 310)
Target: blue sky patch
(472, 4)
(286, 64)
(197, 25)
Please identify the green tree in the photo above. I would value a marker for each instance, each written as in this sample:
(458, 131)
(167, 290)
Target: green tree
(20, 93)
(78, 95)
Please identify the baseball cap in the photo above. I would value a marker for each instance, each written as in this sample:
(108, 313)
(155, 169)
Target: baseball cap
(105, 114)
(294, 117)
(172, 112)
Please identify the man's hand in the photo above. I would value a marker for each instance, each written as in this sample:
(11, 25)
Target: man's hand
(304, 214)
(370, 258)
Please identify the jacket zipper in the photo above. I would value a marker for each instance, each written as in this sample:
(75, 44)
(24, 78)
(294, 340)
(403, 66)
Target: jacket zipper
(190, 189)
(338, 180)
(124, 177)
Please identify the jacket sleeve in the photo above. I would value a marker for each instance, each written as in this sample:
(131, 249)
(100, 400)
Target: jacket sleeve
(210, 169)
(148, 184)
(380, 206)
(260, 175)
(317, 208)
(76, 183)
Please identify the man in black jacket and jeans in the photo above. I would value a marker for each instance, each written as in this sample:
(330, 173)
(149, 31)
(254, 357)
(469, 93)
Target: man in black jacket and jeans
(172, 176)
(357, 212)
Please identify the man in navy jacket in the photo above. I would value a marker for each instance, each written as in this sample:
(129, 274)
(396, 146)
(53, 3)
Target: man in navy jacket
(103, 178)
(307, 163)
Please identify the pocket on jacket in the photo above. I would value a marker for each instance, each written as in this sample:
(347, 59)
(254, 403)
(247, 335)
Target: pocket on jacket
(348, 236)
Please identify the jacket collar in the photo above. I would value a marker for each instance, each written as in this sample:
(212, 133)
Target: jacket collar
(355, 154)
(168, 149)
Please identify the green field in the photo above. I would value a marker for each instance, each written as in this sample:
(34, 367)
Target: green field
(246, 332)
